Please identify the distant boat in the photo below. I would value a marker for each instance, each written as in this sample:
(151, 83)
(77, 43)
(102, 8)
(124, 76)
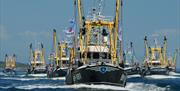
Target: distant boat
(131, 65)
(156, 61)
(172, 61)
(61, 62)
(10, 65)
(37, 66)
(59, 59)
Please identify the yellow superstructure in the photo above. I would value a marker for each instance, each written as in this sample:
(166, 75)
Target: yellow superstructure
(63, 58)
(37, 56)
(10, 62)
(158, 55)
(87, 26)
(59, 54)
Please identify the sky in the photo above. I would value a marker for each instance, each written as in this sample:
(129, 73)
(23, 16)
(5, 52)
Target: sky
(31, 21)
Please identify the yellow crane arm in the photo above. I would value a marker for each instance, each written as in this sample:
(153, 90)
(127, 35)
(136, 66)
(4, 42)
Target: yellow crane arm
(116, 23)
(60, 53)
(80, 23)
(118, 3)
(146, 48)
(164, 50)
(14, 61)
(175, 56)
(34, 58)
(42, 55)
(55, 47)
(30, 53)
(6, 62)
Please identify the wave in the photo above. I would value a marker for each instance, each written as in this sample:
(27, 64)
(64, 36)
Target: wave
(50, 86)
(129, 87)
(144, 87)
(57, 78)
(170, 76)
(21, 79)
(135, 83)
(28, 79)
(3, 74)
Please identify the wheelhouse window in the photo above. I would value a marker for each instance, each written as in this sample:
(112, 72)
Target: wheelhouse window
(97, 55)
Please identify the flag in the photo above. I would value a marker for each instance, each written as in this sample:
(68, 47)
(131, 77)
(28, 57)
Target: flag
(70, 31)
(120, 34)
(121, 2)
(31, 45)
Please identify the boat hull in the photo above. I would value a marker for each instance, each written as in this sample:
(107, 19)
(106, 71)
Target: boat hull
(9, 71)
(98, 74)
(132, 70)
(37, 73)
(155, 70)
(57, 73)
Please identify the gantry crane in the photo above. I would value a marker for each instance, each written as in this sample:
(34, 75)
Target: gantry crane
(86, 26)
(10, 61)
(62, 53)
(36, 55)
(55, 49)
(175, 57)
(150, 53)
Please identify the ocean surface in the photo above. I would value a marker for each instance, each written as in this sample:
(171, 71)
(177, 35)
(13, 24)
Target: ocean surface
(134, 83)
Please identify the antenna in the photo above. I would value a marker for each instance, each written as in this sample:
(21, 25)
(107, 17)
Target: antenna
(100, 7)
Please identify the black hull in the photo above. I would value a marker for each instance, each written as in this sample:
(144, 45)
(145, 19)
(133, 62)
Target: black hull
(132, 70)
(39, 71)
(172, 69)
(154, 71)
(97, 74)
(9, 71)
(57, 73)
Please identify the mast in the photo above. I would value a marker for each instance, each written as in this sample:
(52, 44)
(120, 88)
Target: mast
(146, 49)
(120, 34)
(175, 56)
(14, 61)
(6, 62)
(60, 52)
(34, 58)
(60, 45)
(118, 3)
(30, 53)
(132, 56)
(55, 47)
(31, 56)
(80, 26)
(164, 50)
(42, 55)
(160, 56)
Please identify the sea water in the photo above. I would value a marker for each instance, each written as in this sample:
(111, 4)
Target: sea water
(134, 83)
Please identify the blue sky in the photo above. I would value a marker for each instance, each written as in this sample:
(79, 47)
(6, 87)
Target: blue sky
(26, 21)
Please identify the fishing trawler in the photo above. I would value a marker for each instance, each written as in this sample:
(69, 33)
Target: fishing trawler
(59, 57)
(131, 64)
(96, 56)
(37, 66)
(172, 61)
(10, 65)
(155, 59)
